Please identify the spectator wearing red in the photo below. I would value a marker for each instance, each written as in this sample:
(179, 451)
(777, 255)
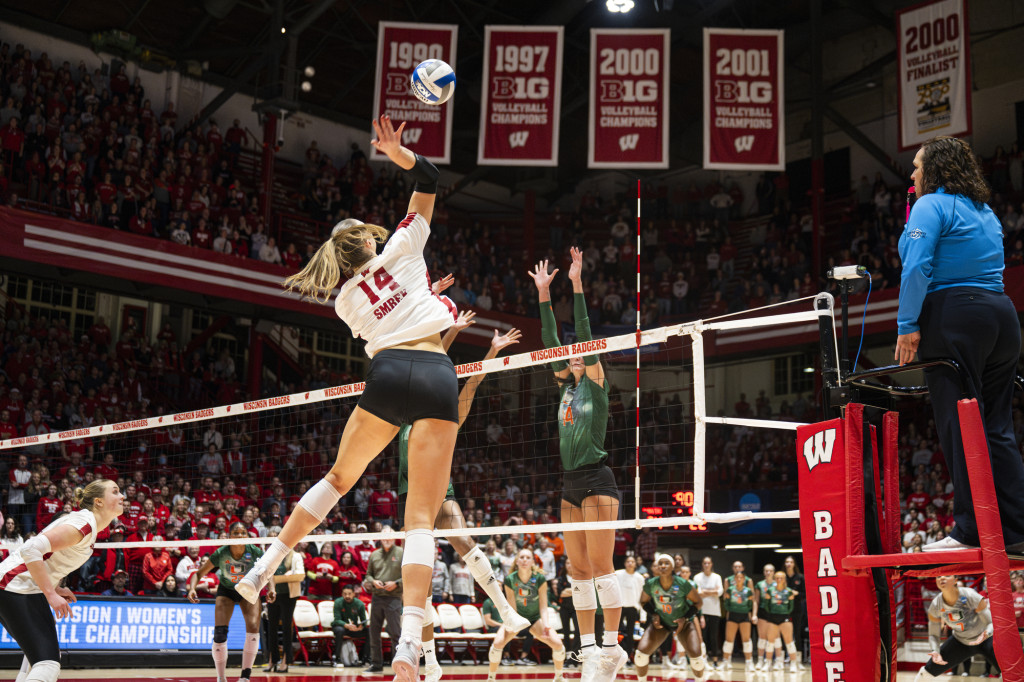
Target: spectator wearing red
(135, 556)
(349, 570)
(8, 429)
(141, 224)
(100, 334)
(202, 237)
(918, 499)
(207, 493)
(156, 566)
(323, 573)
(170, 116)
(12, 141)
(49, 505)
(383, 503)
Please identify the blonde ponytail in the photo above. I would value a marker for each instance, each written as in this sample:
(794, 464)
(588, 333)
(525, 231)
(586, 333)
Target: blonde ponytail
(85, 498)
(341, 254)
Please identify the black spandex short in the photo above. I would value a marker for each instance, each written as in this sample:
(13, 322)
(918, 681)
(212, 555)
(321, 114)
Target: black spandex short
(404, 386)
(229, 592)
(587, 481)
(28, 619)
(777, 618)
(739, 617)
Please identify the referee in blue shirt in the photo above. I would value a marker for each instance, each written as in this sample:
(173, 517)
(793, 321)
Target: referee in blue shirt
(952, 305)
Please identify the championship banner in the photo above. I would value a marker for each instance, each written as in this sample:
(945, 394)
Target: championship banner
(842, 613)
(933, 64)
(744, 122)
(522, 93)
(400, 48)
(628, 98)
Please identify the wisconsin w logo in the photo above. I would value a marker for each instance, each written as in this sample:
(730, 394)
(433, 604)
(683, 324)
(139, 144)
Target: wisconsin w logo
(818, 450)
(412, 135)
(518, 138)
(628, 142)
(743, 143)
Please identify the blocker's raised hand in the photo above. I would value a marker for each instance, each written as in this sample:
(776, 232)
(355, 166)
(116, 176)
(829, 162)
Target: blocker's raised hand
(540, 275)
(507, 339)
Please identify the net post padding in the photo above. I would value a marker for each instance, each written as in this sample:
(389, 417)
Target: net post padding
(842, 613)
(700, 415)
(890, 454)
(854, 439)
(1006, 642)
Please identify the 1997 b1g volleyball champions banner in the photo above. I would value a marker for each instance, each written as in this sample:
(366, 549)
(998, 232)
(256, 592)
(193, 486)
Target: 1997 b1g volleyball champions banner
(400, 47)
(628, 98)
(521, 93)
(934, 92)
(744, 123)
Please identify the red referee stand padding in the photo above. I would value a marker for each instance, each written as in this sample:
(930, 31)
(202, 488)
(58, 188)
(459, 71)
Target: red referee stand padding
(842, 605)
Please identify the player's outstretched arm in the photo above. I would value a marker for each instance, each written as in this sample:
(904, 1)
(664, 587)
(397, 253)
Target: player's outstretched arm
(389, 143)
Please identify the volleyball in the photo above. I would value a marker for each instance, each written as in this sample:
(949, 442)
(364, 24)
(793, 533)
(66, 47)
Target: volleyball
(433, 82)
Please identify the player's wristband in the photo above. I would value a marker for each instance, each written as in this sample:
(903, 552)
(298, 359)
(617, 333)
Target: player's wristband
(425, 174)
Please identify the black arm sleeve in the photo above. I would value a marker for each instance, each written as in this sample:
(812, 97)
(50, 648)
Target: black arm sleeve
(425, 174)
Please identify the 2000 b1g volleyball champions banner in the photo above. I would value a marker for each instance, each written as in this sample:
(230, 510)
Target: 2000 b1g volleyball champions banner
(933, 67)
(521, 92)
(628, 98)
(400, 47)
(744, 124)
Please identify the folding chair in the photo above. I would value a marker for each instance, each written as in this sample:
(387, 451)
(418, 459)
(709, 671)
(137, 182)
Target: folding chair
(452, 633)
(311, 640)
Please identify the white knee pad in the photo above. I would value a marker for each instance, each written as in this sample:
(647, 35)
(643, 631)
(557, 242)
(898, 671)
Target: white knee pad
(747, 647)
(727, 649)
(558, 655)
(761, 644)
(419, 548)
(320, 500)
(494, 655)
(584, 597)
(44, 671)
(608, 591)
(778, 642)
(641, 660)
(697, 665)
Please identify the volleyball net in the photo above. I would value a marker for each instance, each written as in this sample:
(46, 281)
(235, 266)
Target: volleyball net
(669, 440)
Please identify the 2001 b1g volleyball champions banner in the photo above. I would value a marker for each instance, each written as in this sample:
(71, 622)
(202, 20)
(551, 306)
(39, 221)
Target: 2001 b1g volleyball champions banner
(400, 47)
(744, 120)
(933, 65)
(628, 98)
(521, 93)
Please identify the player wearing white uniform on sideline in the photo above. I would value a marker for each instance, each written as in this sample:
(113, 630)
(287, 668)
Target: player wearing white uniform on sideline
(966, 614)
(30, 578)
(386, 300)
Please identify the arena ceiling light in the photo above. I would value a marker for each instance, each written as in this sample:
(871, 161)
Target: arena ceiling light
(622, 6)
(789, 550)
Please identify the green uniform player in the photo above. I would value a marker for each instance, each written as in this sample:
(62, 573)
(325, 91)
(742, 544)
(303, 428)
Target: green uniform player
(673, 606)
(589, 489)
(232, 562)
(777, 606)
(527, 594)
(739, 602)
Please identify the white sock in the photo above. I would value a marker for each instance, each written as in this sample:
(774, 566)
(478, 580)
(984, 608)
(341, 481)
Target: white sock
(412, 623)
(25, 668)
(249, 651)
(428, 653)
(220, 659)
(587, 640)
(610, 638)
(480, 567)
(274, 555)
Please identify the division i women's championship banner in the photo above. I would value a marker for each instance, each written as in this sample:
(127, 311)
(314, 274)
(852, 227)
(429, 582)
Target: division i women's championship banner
(933, 66)
(744, 123)
(628, 98)
(522, 90)
(400, 47)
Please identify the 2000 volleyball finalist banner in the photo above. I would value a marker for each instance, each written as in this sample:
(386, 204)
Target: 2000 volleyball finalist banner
(628, 98)
(934, 94)
(522, 88)
(744, 123)
(400, 47)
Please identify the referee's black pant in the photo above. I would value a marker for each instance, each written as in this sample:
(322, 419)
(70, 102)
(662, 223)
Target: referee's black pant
(627, 628)
(980, 331)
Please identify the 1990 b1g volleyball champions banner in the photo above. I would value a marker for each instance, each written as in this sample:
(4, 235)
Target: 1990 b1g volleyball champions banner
(400, 47)
(933, 66)
(744, 123)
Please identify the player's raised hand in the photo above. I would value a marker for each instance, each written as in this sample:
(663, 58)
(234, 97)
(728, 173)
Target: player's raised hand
(540, 275)
(507, 339)
(465, 320)
(576, 269)
(389, 140)
(443, 283)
